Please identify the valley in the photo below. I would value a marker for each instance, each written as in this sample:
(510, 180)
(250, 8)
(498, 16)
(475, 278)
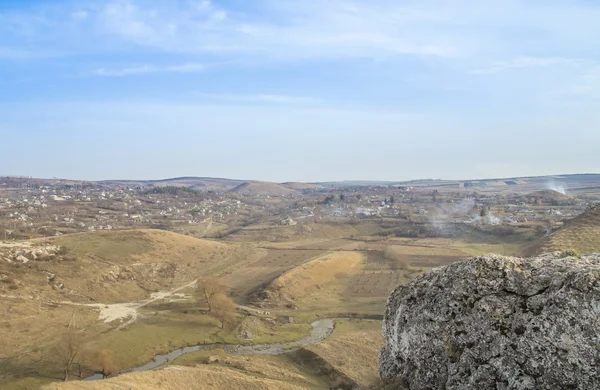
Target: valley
(286, 260)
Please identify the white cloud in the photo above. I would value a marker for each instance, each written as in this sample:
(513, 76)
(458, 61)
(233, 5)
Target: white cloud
(288, 29)
(144, 69)
(444, 43)
(269, 30)
(528, 63)
(260, 98)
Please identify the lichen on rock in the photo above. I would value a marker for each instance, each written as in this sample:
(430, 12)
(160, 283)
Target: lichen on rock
(495, 322)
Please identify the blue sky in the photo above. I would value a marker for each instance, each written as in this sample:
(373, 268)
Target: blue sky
(286, 90)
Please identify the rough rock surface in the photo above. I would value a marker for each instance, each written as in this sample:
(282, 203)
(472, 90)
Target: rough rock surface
(496, 322)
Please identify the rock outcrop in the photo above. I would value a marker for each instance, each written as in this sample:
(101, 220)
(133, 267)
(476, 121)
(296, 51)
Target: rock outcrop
(496, 322)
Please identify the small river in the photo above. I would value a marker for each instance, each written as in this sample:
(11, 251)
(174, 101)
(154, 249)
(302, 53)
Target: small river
(320, 330)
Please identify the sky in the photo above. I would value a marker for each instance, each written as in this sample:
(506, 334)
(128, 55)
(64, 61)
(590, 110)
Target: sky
(293, 90)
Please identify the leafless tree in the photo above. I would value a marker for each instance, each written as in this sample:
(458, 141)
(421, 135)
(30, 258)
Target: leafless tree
(70, 351)
(210, 288)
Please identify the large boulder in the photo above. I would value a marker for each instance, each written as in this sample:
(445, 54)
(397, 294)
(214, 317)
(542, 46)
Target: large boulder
(496, 322)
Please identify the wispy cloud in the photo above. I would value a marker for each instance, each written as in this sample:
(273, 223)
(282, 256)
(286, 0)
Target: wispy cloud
(316, 29)
(441, 45)
(319, 29)
(145, 69)
(528, 63)
(259, 98)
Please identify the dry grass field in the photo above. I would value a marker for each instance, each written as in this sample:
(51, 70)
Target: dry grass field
(353, 350)
(301, 283)
(581, 234)
(132, 293)
(236, 374)
(269, 265)
(263, 188)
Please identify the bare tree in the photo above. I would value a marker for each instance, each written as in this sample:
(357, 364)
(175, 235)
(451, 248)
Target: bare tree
(223, 309)
(70, 351)
(210, 288)
(83, 361)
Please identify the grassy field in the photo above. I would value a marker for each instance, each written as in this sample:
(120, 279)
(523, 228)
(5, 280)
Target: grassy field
(321, 270)
(581, 234)
(314, 278)
(353, 350)
(243, 374)
(266, 267)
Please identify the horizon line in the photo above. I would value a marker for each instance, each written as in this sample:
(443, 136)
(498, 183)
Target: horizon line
(303, 182)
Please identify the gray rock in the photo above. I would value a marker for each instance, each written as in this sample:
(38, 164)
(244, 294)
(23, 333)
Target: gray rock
(213, 359)
(496, 322)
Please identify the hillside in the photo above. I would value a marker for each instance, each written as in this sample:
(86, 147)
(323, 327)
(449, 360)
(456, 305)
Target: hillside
(306, 283)
(302, 186)
(236, 374)
(352, 351)
(581, 234)
(262, 188)
(113, 266)
(549, 197)
(348, 357)
(102, 279)
(199, 183)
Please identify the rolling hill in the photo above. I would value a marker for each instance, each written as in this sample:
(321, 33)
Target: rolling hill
(198, 183)
(262, 188)
(302, 186)
(112, 266)
(581, 234)
(549, 197)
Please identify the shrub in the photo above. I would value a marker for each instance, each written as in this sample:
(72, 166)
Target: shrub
(569, 253)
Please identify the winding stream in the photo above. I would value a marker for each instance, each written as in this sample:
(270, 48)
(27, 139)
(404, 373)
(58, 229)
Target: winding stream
(320, 330)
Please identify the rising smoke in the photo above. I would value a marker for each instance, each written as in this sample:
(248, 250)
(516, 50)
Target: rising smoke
(558, 187)
(462, 208)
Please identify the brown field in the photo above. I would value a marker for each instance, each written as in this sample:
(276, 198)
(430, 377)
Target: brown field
(263, 188)
(301, 186)
(352, 350)
(237, 374)
(307, 280)
(268, 266)
(307, 272)
(581, 234)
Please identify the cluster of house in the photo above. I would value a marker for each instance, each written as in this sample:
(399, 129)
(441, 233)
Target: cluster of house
(90, 209)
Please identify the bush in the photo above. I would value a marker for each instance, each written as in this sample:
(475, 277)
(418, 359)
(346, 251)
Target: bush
(569, 253)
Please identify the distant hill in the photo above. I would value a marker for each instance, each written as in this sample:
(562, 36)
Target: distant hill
(581, 234)
(262, 188)
(199, 183)
(549, 197)
(575, 184)
(572, 184)
(302, 186)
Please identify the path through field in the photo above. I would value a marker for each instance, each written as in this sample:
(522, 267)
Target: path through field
(129, 310)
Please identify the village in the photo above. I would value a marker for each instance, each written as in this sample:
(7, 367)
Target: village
(30, 210)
